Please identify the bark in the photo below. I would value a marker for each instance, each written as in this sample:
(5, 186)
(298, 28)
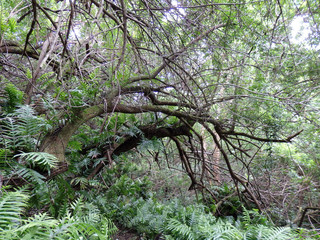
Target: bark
(150, 132)
(56, 142)
(216, 162)
(211, 161)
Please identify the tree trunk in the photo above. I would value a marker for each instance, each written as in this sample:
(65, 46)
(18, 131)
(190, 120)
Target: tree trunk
(216, 162)
(55, 143)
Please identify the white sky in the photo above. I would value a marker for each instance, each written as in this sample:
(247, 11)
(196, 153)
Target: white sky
(172, 16)
(300, 32)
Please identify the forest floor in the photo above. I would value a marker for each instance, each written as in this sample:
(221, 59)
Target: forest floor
(125, 234)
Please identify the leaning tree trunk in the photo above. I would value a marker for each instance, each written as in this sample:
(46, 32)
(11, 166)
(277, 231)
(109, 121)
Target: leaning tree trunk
(56, 142)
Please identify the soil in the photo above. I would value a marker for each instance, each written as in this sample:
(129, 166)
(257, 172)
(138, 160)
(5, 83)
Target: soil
(125, 235)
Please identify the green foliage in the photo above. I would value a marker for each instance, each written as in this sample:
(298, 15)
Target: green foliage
(20, 134)
(153, 144)
(14, 98)
(127, 201)
(29, 175)
(57, 194)
(22, 129)
(80, 221)
(85, 183)
(11, 206)
(249, 73)
(252, 217)
(8, 24)
(231, 206)
(173, 220)
(43, 160)
(125, 186)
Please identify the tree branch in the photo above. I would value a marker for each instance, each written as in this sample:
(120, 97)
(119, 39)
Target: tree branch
(149, 132)
(286, 140)
(174, 55)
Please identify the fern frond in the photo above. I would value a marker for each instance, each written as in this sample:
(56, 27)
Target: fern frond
(246, 219)
(11, 136)
(43, 160)
(11, 206)
(180, 230)
(14, 97)
(272, 233)
(37, 227)
(221, 230)
(107, 228)
(28, 174)
(83, 182)
(5, 159)
(22, 128)
(80, 226)
(85, 212)
(77, 205)
(76, 229)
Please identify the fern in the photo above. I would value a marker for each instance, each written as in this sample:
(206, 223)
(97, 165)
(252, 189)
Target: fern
(37, 227)
(32, 124)
(107, 228)
(84, 183)
(146, 218)
(41, 226)
(28, 174)
(252, 218)
(43, 160)
(14, 97)
(174, 221)
(11, 135)
(179, 230)
(20, 132)
(86, 212)
(22, 129)
(91, 219)
(225, 230)
(11, 206)
(261, 232)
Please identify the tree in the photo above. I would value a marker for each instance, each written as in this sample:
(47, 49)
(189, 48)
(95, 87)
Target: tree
(132, 71)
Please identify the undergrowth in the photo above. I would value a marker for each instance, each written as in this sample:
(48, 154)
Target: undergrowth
(130, 205)
(56, 210)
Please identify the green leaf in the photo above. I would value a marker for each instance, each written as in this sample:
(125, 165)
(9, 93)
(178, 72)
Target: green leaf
(42, 159)
(11, 206)
(12, 24)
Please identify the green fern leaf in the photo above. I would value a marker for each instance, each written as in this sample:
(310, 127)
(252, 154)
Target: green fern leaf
(29, 174)
(180, 230)
(43, 160)
(11, 206)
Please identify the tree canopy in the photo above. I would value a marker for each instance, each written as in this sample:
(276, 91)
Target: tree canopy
(212, 83)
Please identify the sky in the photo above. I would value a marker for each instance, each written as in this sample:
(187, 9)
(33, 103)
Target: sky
(300, 31)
